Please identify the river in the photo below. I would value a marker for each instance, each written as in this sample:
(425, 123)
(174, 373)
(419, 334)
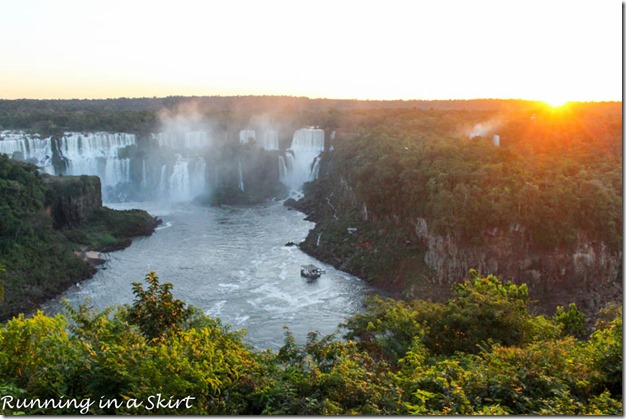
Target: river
(233, 263)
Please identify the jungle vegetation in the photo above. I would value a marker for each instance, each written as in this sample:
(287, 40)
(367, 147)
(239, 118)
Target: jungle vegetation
(39, 260)
(481, 352)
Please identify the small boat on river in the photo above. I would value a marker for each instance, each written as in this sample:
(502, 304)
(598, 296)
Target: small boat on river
(311, 271)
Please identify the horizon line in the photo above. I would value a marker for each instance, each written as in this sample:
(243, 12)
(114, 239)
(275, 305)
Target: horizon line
(305, 97)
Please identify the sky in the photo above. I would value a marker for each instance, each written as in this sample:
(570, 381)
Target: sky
(551, 50)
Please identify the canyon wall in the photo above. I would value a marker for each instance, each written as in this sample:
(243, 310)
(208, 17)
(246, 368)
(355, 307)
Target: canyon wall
(404, 257)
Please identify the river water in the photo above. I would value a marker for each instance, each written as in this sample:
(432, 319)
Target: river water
(233, 263)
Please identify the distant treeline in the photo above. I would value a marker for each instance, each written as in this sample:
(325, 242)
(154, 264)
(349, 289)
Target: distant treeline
(51, 117)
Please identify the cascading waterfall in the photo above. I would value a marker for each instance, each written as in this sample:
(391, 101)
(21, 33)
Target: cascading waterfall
(19, 145)
(144, 176)
(245, 135)
(270, 140)
(301, 161)
(187, 179)
(282, 167)
(192, 140)
(240, 176)
(315, 171)
(97, 154)
(163, 181)
(86, 153)
(179, 186)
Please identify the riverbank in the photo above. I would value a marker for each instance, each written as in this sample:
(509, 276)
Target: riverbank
(382, 253)
(407, 260)
(44, 221)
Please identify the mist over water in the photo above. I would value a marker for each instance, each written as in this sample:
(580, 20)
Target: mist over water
(233, 263)
(230, 261)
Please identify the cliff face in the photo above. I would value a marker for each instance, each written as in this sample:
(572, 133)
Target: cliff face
(47, 226)
(589, 274)
(405, 257)
(74, 199)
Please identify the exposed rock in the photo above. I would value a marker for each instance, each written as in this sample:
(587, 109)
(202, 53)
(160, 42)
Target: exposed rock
(588, 274)
(74, 199)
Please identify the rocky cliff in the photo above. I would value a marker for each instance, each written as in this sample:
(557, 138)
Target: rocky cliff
(405, 257)
(48, 227)
(74, 199)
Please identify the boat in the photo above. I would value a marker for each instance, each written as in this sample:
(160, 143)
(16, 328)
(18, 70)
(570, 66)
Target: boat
(311, 271)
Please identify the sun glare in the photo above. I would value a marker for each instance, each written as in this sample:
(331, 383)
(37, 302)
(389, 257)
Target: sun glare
(555, 102)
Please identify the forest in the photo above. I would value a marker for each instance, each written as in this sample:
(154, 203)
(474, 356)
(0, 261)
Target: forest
(480, 352)
(41, 232)
(430, 196)
(556, 171)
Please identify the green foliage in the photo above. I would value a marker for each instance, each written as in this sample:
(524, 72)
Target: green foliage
(571, 320)
(107, 229)
(121, 363)
(38, 260)
(155, 310)
(2, 271)
(325, 377)
(606, 354)
(555, 175)
(482, 312)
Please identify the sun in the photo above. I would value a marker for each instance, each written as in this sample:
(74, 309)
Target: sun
(555, 102)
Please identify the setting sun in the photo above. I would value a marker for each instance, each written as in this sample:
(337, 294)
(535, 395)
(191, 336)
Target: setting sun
(556, 102)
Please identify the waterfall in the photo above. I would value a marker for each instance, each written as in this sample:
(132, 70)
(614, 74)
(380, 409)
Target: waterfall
(282, 168)
(97, 154)
(93, 153)
(19, 145)
(270, 140)
(315, 171)
(179, 184)
(144, 176)
(245, 135)
(301, 161)
(240, 174)
(163, 180)
(192, 140)
(187, 180)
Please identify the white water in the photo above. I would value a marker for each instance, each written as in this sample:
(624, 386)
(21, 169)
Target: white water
(32, 148)
(192, 140)
(247, 135)
(232, 263)
(186, 181)
(298, 166)
(240, 176)
(96, 153)
(270, 140)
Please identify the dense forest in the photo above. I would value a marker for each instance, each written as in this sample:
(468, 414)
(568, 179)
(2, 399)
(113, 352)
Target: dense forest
(431, 195)
(481, 352)
(45, 223)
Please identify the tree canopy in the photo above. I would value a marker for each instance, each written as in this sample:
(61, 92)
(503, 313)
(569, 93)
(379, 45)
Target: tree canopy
(482, 352)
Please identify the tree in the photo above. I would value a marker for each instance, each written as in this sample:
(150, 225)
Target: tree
(155, 310)
(571, 320)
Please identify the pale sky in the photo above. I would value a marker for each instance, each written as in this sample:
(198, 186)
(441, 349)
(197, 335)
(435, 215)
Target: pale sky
(549, 50)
